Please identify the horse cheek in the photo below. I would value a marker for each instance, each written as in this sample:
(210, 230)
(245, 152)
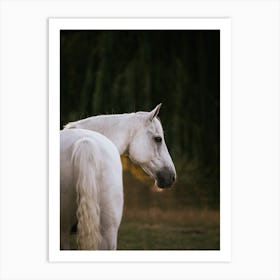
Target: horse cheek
(138, 152)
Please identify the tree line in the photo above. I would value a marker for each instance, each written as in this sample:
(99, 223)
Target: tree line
(111, 71)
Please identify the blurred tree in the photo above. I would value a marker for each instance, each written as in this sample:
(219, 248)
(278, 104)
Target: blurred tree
(105, 71)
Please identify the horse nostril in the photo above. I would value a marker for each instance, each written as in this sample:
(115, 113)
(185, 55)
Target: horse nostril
(173, 178)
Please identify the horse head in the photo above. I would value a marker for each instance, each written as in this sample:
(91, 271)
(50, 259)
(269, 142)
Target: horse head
(148, 149)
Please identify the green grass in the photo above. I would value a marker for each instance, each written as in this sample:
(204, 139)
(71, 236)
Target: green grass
(183, 217)
(175, 230)
(133, 236)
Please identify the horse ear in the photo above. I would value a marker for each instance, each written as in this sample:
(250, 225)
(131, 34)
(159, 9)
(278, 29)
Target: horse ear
(154, 112)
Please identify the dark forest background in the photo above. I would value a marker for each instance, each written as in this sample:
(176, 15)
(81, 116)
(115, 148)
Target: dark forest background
(107, 72)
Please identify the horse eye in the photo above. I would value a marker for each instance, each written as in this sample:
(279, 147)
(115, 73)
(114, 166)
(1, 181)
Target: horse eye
(158, 139)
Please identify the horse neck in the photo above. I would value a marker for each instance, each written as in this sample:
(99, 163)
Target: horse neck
(118, 128)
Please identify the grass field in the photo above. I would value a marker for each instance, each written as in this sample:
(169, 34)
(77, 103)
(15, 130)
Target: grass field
(174, 219)
(155, 229)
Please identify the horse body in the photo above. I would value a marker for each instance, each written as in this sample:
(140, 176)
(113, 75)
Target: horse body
(88, 153)
(90, 181)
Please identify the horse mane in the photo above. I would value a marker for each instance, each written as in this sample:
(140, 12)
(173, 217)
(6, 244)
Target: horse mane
(139, 115)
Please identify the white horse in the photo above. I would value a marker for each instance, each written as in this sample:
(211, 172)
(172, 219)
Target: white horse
(91, 190)
(140, 136)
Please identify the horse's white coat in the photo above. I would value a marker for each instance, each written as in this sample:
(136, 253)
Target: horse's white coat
(133, 134)
(93, 160)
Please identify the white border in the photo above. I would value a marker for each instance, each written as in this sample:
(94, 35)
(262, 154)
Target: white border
(255, 125)
(222, 255)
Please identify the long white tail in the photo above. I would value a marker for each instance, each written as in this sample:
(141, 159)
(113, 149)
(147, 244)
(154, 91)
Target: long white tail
(88, 210)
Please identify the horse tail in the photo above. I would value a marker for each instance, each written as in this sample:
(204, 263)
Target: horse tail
(87, 190)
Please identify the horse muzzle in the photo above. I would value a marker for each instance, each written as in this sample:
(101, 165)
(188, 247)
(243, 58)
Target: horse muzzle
(165, 178)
